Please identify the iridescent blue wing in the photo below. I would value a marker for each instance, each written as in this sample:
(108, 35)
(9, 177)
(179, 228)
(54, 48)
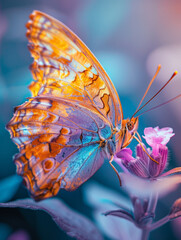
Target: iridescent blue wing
(59, 144)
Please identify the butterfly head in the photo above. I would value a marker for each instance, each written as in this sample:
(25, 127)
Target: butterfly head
(129, 128)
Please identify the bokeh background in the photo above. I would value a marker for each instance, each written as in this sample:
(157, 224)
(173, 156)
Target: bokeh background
(129, 38)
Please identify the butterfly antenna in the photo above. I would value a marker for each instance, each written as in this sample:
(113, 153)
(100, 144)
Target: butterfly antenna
(151, 82)
(170, 100)
(173, 75)
(140, 142)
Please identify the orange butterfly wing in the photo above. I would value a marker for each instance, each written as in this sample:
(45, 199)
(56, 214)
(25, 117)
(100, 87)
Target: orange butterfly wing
(60, 131)
(64, 67)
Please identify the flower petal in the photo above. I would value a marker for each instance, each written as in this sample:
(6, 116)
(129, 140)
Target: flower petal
(143, 188)
(136, 166)
(149, 134)
(149, 131)
(125, 154)
(156, 136)
(73, 223)
(156, 169)
(8, 187)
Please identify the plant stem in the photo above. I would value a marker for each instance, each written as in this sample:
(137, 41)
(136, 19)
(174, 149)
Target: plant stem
(152, 203)
(145, 234)
(160, 223)
(150, 210)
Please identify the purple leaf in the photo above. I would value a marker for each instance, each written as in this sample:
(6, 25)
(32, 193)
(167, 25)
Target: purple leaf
(176, 209)
(172, 171)
(143, 188)
(73, 223)
(117, 228)
(98, 196)
(8, 187)
(103, 199)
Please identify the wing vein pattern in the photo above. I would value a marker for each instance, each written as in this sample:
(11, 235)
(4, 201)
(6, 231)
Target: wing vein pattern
(61, 131)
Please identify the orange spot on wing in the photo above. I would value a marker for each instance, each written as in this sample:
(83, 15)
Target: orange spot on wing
(64, 131)
(105, 100)
(62, 140)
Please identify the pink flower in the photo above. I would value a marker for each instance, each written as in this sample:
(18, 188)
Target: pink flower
(143, 166)
(141, 175)
(156, 137)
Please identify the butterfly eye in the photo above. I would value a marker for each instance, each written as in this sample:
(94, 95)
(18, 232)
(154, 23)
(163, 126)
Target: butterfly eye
(130, 125)
(48, 164)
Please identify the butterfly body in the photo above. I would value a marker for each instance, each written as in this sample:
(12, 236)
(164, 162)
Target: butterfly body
(73, 122)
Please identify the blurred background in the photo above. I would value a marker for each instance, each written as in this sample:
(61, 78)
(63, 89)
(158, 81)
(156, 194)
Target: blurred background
(129, 38)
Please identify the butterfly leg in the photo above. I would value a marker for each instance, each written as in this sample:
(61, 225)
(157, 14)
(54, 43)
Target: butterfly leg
(110, 162)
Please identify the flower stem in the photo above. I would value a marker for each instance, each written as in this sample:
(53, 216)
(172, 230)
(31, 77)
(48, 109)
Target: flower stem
(145, 234)
(150, 211)
(152, 203)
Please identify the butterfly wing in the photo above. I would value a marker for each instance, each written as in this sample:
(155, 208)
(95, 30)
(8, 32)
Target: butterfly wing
(60, 130)
(59, 144)
(64, 67)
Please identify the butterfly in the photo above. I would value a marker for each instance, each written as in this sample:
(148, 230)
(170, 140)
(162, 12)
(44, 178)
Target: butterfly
(74, 120)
